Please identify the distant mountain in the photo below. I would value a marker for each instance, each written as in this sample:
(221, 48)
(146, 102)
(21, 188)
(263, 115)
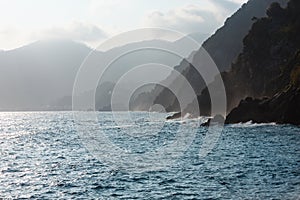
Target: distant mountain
(40, 76)
(224, 47)
(35, 75)
(137, 58)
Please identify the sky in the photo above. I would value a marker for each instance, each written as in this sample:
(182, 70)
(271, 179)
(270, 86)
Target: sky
(93, 21)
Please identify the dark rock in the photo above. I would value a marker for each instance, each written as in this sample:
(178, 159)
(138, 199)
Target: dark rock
(224, 47)
(206, 123)
(217, 120)
(268, 64)
(174, 116)
(282, 108)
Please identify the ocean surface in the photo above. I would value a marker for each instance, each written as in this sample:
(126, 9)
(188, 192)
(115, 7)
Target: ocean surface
(43, 155)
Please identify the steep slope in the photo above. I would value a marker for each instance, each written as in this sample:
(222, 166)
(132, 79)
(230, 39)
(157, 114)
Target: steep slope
(224, 46)
(268, 70)
(279, 75)
(270, 53)
(227, 43)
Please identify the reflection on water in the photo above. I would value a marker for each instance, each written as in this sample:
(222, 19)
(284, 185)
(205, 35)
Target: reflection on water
(43, 157)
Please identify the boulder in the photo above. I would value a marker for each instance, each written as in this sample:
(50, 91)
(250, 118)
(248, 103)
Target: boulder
(174, 116)
(216, 120)
(282, 108)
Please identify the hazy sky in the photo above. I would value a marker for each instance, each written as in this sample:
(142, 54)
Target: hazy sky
(91, 21)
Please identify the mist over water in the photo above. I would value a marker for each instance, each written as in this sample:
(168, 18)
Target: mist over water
(43, 157)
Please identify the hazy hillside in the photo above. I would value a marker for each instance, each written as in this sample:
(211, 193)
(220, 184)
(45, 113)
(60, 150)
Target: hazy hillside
(224, 47)
(267, 69)
(33, 76)
(40, 76)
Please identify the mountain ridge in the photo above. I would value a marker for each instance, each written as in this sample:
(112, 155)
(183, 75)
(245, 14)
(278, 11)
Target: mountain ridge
(40, 75)
(227, 39)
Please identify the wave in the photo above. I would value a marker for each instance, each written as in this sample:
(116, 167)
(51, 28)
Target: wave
(251, 124)
(187, 118)
(118, 126)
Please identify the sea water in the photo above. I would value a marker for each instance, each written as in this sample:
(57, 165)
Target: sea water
(42, 156)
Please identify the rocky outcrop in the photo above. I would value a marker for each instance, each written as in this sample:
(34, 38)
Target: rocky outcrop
(282, 108)
(223, 46)
(274, 70)
(174, 116)
(227, 43)
(216, 120)
(267, 72)
(271, 53)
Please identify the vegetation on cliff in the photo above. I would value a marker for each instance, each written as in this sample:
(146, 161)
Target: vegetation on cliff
(269, 66)
(223, 46)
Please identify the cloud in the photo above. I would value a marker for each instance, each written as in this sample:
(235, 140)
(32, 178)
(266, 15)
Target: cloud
(92, 21)
(194, 18)
(226, 5)
(90, 34)
(77, 31)
(12, 37)
(224, 8)
(186, 19)
(104, 8)
(239, 1)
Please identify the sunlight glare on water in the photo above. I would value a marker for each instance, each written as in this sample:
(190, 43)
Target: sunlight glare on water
(43, 157)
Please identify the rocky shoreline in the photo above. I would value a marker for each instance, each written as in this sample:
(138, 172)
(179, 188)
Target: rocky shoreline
(282, 108)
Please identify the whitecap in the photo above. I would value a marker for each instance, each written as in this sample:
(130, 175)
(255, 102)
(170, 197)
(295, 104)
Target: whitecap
(251, 124)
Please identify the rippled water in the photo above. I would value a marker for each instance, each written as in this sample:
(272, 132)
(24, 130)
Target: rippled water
(42, 156)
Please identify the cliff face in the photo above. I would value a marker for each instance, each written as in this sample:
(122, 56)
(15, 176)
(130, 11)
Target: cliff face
(224, 47)
(271, 52)
(275, 43)
(227, 43)
(281, 108)
(268, 70)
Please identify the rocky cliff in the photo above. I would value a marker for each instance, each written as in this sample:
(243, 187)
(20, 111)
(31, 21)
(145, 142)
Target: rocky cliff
(268, 70)
(224, 47)
(282, 108)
